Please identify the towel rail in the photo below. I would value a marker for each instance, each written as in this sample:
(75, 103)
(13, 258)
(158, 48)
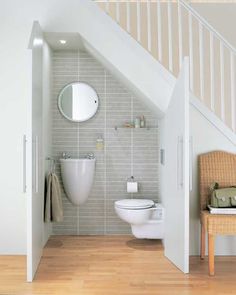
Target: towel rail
(52, 164)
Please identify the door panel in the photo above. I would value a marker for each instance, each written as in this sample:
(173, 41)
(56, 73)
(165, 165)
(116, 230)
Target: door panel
(175, 173)
(36, 197)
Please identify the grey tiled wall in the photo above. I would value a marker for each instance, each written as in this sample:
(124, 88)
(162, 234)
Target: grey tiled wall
(127, 152)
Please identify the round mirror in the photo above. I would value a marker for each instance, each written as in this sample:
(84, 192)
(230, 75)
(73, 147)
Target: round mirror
(78, 102)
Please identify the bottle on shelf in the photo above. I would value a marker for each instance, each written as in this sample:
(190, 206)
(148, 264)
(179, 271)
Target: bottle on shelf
(137, 122)
(142, 122)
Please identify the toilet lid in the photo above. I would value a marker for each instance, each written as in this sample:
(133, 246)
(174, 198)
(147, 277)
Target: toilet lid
(134, 203)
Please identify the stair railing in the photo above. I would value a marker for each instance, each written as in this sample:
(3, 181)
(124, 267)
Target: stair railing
(170, 30)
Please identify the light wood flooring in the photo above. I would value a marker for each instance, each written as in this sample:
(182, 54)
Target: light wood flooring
(113, 265)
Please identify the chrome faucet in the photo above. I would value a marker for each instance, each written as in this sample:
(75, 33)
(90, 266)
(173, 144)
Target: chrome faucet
(65, 155)
(90, 156)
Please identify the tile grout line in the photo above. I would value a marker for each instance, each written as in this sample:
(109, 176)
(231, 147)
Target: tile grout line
(78, 69)
(105, 163)
(132, 140)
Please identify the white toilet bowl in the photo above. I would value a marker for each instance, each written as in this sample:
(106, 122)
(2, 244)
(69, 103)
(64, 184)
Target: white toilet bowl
(144, 216)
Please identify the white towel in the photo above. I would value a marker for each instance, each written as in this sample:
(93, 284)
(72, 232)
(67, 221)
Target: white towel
(53, 202)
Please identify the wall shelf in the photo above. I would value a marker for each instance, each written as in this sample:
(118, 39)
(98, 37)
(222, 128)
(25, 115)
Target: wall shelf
(143, 128)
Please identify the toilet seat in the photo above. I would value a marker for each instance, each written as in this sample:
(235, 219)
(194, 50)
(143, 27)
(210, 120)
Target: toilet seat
(133, 204)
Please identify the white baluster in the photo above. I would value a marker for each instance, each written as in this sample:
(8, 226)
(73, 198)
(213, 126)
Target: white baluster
(212, 71)
(201, 58)
(170, 45)
(222, 82)
(138, 22)
(149, 36)
(232, 82)
(128, 16)
(118, 11)
(159, 30)
(180, 35)
(191, 50)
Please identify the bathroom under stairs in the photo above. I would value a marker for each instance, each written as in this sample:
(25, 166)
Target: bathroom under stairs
(170, 30)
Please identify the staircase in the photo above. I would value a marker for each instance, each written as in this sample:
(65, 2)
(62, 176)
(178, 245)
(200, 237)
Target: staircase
(170, 30)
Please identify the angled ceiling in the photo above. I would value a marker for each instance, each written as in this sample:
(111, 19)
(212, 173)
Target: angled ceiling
(73, 41)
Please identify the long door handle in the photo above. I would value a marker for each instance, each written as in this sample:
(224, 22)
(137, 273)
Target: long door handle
(191, 163)
(180, 158)
(24, 164)
(36, 165)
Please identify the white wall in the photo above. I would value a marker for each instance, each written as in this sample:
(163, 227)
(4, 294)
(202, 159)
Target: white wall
(206, 138)
(221, 16)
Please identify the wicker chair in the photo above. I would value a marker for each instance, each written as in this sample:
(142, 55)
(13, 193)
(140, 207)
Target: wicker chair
(216, 166)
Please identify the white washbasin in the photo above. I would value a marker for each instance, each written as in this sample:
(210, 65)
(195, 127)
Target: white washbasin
(77, 178)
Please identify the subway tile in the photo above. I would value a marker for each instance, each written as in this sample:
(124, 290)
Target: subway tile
(118, 138)
(91, 210)
(145, 137)
(97, 121)
(147, 190)
(116, 190)
(97, 82)
(88, 137)
(116, 103)
(98, 190)
(145, 155)
(118, 155)
(113, 86)
(91, 217)
(147, 172)
(64, 231)
(118, 172)
(89, 68)
(125, 150)
(114, 230)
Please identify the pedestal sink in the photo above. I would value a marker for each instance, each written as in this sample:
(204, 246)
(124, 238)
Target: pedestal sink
(77, 178)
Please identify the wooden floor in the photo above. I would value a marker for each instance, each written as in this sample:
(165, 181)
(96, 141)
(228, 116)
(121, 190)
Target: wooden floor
(113, 265)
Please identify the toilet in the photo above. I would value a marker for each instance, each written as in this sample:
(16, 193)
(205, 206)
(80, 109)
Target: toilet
(145, 217)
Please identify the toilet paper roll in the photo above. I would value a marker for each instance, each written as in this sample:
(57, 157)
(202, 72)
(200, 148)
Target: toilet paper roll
(132, 187)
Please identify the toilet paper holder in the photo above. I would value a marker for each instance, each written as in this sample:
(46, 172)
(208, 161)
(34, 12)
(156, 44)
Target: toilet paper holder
(132, 185)
(130, 179)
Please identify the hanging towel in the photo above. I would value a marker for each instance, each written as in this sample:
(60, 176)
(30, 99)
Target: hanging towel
(53, 202)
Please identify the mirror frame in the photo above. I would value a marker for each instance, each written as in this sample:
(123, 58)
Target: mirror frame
(59, 102)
